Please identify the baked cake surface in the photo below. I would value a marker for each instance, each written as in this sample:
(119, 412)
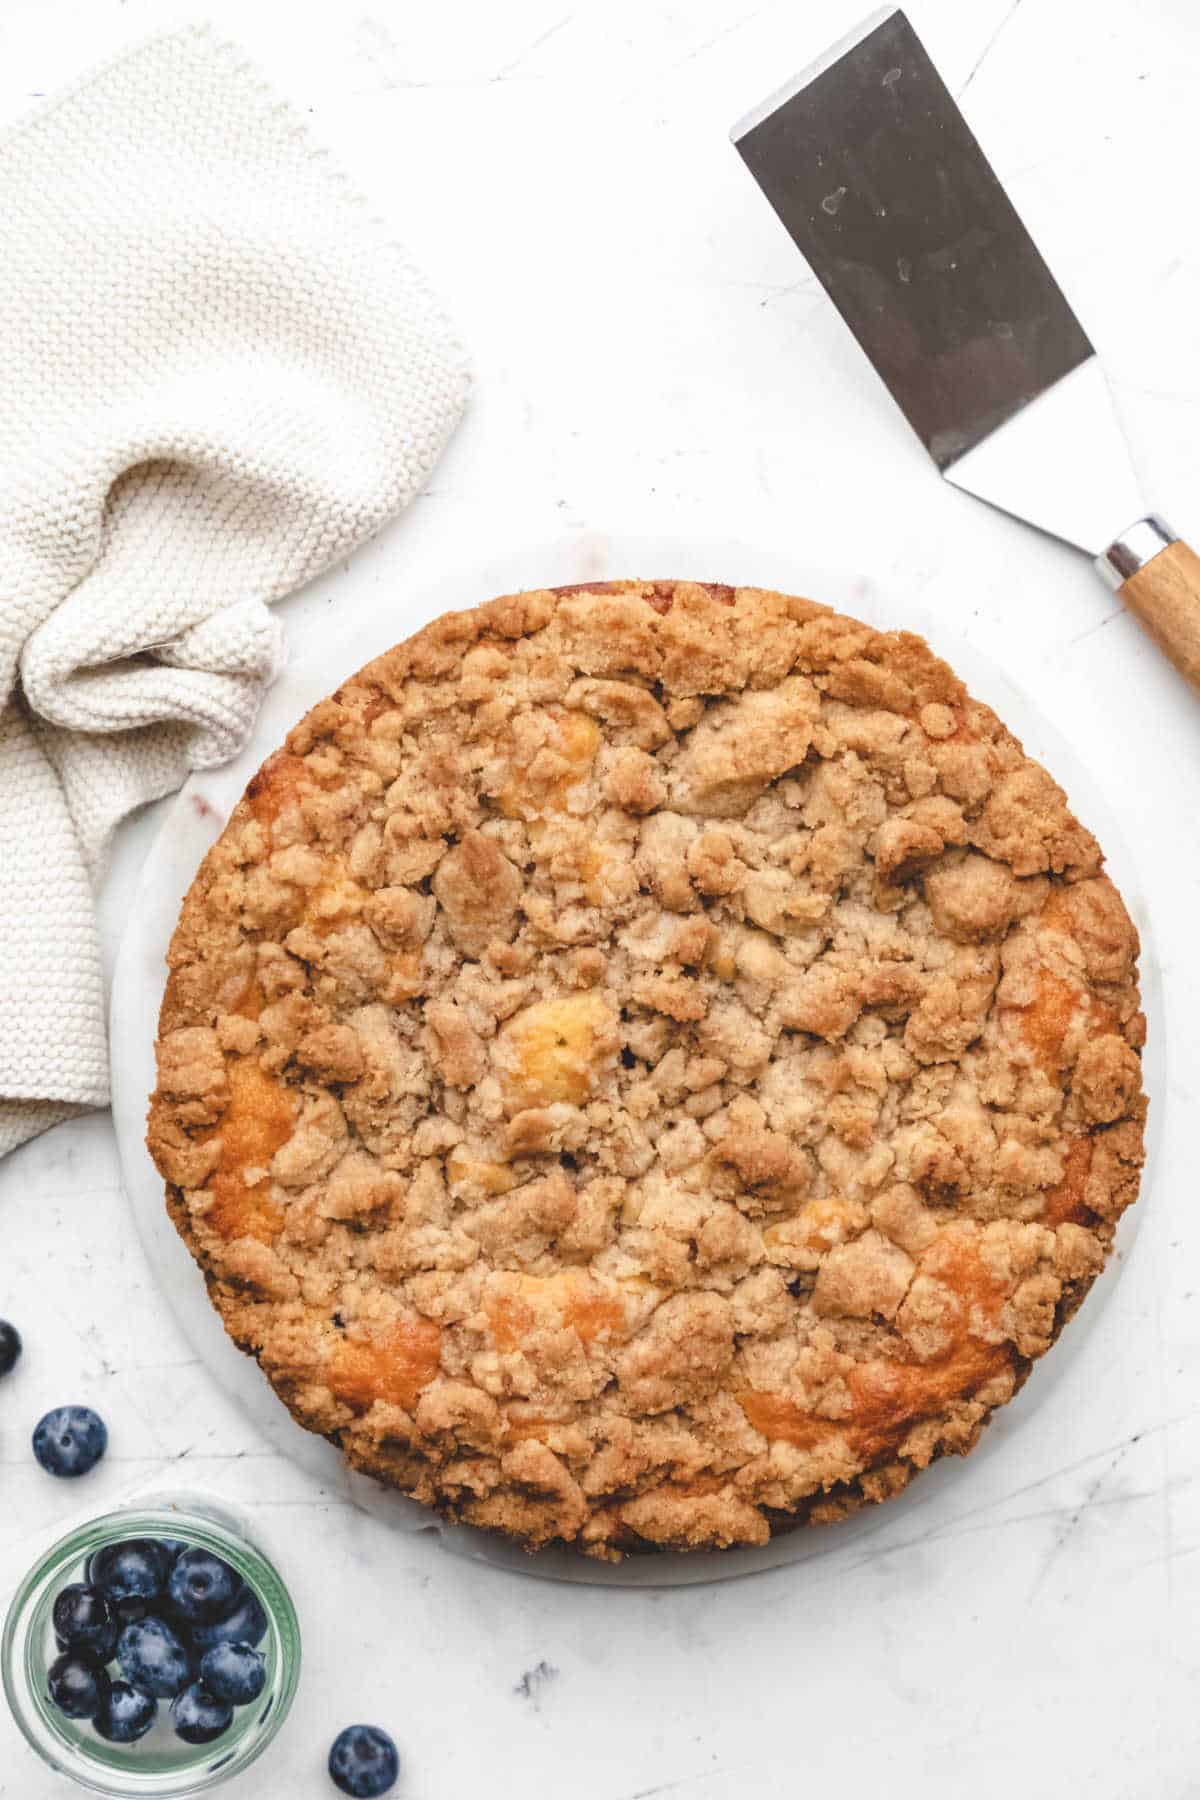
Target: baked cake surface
(649, 1065)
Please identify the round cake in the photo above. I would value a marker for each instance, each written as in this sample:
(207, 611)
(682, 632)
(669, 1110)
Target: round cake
(650, 1065)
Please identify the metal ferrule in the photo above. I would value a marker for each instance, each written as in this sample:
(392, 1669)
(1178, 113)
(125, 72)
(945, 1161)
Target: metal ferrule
(1137, 545)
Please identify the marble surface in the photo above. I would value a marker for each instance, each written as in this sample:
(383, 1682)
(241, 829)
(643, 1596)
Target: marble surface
(651, 356)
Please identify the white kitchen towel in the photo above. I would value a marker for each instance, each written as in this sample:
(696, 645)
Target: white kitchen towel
(217, 374)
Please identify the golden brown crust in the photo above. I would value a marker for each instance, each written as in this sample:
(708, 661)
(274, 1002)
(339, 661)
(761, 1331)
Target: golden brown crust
(648, 1065)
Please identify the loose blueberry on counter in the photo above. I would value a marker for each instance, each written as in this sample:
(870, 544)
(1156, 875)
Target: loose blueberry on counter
(199, 1716)
(77, 1685)
(233, 1672)
(246, 1624)
(83, 1620)
(69, 1441)
(10, 1347)
(130, 1575)
(126, 1715)
(363, 1762)
(153, 1657)
(202, 1588)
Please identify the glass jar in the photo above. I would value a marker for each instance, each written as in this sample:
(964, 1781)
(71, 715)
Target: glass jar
(159, 1763)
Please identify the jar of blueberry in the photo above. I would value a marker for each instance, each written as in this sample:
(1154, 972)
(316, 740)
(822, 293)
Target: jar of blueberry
(152, 1652)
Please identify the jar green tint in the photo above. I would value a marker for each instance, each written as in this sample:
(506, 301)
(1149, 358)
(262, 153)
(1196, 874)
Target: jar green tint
(160, 1763)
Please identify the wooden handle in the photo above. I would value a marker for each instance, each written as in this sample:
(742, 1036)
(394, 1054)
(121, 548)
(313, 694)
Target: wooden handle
(1165, 595)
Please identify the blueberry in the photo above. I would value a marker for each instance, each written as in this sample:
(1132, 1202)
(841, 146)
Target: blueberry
(202, 1587)
(246, 1624)
(77, 1685)
(83, 1620)
(126, 1715)
(130, 1574)
(233, 1672)
(10, 1347)
(171, 1548)
(154, 1657)
(363, 1761)
(70, 1440)
(199, 1716)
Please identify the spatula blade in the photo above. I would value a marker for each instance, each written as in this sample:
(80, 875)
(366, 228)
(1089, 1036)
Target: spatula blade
(880, 182)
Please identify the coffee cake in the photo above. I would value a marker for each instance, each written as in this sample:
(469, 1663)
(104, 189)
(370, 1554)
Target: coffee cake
(649, 1065)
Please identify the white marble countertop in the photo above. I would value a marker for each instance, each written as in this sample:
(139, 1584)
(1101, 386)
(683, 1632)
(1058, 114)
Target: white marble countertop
(652, 355)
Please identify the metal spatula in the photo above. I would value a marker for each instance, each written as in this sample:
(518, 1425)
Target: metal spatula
(879, 181)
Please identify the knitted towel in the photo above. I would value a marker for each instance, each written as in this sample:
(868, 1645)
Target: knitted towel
(216, 376)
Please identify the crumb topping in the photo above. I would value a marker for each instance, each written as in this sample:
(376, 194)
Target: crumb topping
(649, 1065)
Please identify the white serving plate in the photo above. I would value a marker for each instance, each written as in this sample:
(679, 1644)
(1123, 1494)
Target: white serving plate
(197, 818)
